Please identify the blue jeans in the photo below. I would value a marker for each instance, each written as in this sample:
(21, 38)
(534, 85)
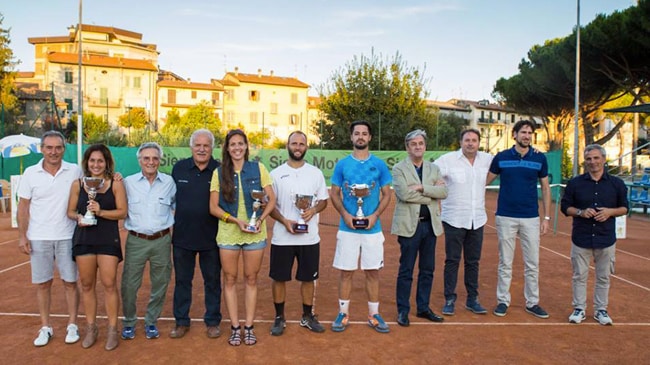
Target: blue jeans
(467, 242)
(424, 243)
(210, 264)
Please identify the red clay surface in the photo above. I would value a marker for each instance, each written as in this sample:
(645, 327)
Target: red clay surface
(465, 338)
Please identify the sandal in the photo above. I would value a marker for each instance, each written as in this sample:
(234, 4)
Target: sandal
(249, 336)
(235, 336)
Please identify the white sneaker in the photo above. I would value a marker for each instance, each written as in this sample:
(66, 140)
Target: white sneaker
(44, 335)
(603, 318)
(577, 316)
(72, 335)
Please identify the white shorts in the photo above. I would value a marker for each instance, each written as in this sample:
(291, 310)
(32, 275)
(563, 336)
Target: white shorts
(45, 254)
(350, 245)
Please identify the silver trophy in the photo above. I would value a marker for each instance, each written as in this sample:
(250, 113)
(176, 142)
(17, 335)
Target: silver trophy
(302, 202)
(92, 184)
(360, 191)
(258, 195)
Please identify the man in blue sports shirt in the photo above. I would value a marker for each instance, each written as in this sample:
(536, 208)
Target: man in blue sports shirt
(360, 237)
(520, 168)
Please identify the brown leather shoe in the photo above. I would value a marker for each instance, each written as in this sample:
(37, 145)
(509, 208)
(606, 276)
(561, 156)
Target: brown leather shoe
(111, 338)
(179, 331)
(91, 336)
(213, 332)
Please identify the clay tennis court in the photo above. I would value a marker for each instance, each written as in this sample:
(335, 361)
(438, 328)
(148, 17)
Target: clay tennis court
(465, 338)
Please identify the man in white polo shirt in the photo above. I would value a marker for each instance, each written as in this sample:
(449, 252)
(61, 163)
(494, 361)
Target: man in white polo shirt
(45, 231)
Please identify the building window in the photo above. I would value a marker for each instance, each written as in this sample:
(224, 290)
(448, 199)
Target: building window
(512, 119)
(230, 117)
(274, 108)
(103, 96)
(229, 95)
(193, 94)
(294, 98)
(171, 96)
(253, 118)
(215, 98)
(136, 82)
(254, 95)
(293, 118)
(68, 104)
(499, 132)
(68, 77)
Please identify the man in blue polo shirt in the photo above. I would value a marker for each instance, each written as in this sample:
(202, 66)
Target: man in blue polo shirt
(519, 169)
(593, 199)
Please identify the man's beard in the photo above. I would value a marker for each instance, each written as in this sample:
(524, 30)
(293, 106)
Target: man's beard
(293, 157)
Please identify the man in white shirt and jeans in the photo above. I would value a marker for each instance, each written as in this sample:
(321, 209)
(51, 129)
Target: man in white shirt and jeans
(45, 231)
(463, 217)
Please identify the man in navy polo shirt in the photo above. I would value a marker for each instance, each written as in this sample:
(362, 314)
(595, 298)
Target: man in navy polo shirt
(593, 199)
(195, 231)
(519, 169)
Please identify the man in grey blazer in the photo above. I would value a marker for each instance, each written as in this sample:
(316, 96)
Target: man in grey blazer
(416, 221)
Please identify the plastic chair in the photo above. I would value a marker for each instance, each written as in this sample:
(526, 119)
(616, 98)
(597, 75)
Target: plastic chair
(645, 181)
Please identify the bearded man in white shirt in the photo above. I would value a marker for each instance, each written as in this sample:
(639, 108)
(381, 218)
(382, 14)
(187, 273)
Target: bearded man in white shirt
(463, 217)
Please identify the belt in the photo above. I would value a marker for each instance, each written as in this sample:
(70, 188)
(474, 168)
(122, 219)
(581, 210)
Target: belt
(150, 237)
(424, 219)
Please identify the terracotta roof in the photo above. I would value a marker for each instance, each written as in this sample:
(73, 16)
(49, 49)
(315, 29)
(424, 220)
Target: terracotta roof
(447, 106)
(483, 104)
(25, 74)
(56, 39)
(313, 102)
(113, 30)
(189, 85)
(229, 82)
(267, 79)
(101, 61)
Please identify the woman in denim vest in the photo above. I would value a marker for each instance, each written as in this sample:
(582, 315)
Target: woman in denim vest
(235, 199)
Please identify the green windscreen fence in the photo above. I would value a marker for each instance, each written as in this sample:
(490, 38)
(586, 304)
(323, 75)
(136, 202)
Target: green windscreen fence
(127, 163)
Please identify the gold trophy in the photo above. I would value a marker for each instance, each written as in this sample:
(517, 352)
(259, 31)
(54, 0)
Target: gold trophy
(92, 184)
(258, 195)
(360, 191)
(302, 202)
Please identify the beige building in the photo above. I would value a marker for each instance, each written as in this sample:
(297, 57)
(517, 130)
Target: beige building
(177, 93)
(276, 104)
(494, 121)
(119, 70)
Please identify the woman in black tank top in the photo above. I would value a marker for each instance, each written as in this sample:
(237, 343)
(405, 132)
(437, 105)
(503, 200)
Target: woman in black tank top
(96, 242)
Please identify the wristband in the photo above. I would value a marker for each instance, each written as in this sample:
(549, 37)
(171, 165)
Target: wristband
(225, 217)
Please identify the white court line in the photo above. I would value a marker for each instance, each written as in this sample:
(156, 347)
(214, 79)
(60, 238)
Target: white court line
(5, 242)
(591, 267)
(463, 324)
(14, 267)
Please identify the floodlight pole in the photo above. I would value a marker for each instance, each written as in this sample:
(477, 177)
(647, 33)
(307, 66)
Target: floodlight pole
(80, 112)
(576, 129)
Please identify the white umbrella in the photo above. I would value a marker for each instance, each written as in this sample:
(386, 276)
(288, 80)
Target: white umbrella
(19, 145)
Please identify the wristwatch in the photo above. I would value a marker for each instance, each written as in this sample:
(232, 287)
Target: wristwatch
(579, 213)
(547, 218)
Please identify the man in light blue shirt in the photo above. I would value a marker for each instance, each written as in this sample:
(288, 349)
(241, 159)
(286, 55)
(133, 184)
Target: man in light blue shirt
(151, 196)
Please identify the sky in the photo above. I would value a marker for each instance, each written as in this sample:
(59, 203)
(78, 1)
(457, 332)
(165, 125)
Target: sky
(463, 46)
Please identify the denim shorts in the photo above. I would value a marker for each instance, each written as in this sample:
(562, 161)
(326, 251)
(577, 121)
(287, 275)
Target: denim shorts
(45, 254)
(244, 247)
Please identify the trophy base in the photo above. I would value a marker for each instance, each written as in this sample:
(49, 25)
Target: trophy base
(90, 221)
(251, 228)
(300, 228)
(360, 223)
